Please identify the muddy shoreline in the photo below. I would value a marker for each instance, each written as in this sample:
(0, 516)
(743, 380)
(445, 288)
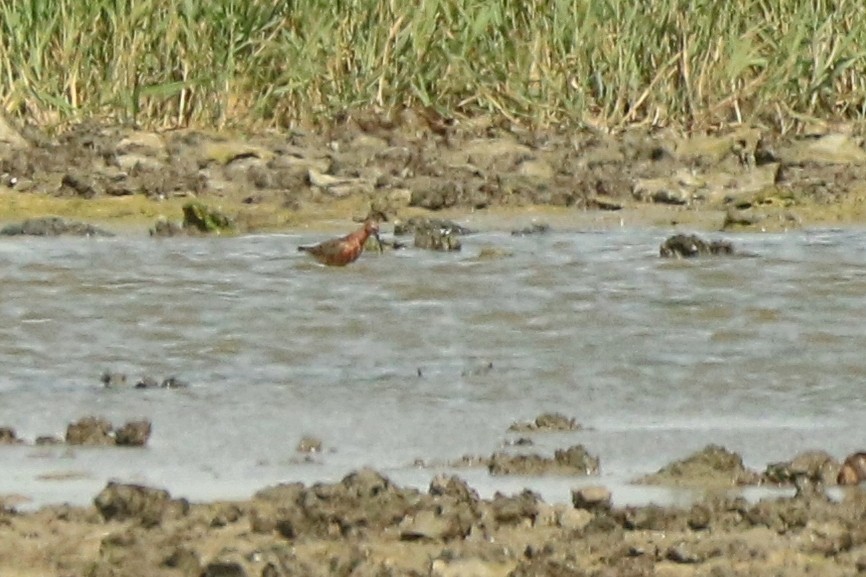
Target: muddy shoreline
(367, 525)
(745, 179)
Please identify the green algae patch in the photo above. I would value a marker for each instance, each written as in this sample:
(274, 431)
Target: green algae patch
(202, 218)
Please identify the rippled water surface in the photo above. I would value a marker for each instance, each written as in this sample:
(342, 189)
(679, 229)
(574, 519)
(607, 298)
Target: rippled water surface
(422, 355)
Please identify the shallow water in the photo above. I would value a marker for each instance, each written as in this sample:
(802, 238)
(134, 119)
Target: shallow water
(656, 358)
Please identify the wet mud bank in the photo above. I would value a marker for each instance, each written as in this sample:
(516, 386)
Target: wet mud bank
(739, 179)
(367, 525)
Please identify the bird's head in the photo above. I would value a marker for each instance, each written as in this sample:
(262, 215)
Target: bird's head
(371, 227)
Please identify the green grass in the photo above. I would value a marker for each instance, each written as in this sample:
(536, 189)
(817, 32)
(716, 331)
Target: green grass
(609, 63)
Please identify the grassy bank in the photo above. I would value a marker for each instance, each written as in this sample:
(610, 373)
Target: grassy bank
(257, 63)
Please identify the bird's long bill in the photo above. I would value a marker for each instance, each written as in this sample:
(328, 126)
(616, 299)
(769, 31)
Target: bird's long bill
(379, 243)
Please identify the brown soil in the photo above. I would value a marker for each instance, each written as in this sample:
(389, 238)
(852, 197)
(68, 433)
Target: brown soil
(741, 179)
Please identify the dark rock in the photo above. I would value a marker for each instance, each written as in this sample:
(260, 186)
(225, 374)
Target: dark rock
(120, 501)
(133, 434)
(690, 245)
(52, 226)
(90, 431)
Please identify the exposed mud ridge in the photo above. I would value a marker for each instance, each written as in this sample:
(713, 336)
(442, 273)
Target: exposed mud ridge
(546, 422)
(749, 177)
(52, 226)
(715, 466)
(367, 526)
(90, 431)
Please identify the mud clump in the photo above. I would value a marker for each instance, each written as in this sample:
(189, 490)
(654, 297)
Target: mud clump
(432, 233)
(133, 434)
(691, 246)
(712, 466)
(120, 502)
(546, 422)
(362, 501)
(437, 240)
(575, 460)
(415, 224)
(91, 431)
(813, 467)
(96, 431)
(593, 498)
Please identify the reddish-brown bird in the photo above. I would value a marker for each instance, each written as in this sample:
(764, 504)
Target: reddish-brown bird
(342, 251)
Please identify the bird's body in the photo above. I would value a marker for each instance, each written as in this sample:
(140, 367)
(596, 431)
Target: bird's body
(344, 250)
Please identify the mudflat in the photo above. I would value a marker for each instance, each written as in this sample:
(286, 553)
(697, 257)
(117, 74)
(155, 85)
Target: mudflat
(739, 179)
(366, 525)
